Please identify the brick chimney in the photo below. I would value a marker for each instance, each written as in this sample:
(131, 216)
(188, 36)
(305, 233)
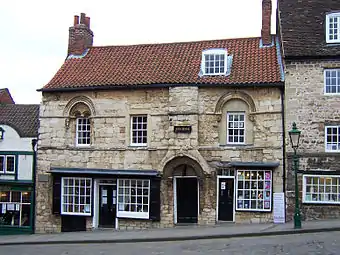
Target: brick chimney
(80, 35)
(266, 20)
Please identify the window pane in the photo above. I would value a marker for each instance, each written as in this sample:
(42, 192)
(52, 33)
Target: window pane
(10, 164)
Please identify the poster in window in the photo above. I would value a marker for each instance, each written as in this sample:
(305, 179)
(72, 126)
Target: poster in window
(239, 204)
(266, 205)
(267, 195)
(87, 209)
(267, 185)
(10, 207)
(3, 209)
(267, 175)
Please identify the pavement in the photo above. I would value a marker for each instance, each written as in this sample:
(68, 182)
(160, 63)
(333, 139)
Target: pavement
(177, 233)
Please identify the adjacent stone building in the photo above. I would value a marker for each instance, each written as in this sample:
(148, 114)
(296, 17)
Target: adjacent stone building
(310, 35)
(141, 136)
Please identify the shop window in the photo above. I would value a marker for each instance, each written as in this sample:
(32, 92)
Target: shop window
(76, 196)
(133, 198)
(254, 190)
(7, 164)
(321, 189)
(15, 208)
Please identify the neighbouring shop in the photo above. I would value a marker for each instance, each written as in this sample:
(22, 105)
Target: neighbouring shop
(16, 209)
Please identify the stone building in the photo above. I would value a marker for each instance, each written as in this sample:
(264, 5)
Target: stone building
(18, 136)
(141, 136)
(310, 35)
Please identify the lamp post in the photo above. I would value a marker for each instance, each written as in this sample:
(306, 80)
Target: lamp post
(294, 136)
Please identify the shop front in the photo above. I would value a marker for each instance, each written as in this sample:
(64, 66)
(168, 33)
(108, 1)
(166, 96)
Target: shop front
(102, 198)
(245, 191)
(16, 209)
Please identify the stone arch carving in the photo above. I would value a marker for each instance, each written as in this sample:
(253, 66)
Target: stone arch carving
(193, 158)
(235, 95)
(79, 105)
(174, 165)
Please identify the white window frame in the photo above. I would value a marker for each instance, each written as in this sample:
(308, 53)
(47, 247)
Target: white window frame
(321, 194)
(264, 190)
(138, 130)
(122, 213)
(338, 139)
(88, 206)
(78, 132)
(328, 17)
(337, 85)
(244, 127)
(4, 168)
(214, 52)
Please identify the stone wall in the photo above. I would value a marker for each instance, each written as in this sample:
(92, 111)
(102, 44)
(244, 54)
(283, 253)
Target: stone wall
(311, 109)
(165, 107)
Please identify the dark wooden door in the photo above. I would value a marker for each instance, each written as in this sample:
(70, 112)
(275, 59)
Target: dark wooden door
(187, 196)
(226, 199)
(107, 205)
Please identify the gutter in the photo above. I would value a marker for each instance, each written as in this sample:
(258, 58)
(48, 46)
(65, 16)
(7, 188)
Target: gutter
(160, 85)
(315, 57)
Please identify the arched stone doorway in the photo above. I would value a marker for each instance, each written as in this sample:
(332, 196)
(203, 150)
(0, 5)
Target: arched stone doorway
(186, 188)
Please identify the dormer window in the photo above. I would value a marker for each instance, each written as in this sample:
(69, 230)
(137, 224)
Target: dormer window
(214, 62)
(333, 28)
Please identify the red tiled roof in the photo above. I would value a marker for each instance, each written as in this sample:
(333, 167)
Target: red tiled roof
(5, 97)
(171, 63)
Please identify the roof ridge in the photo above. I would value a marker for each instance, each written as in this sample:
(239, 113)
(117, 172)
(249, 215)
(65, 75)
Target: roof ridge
(182, 42)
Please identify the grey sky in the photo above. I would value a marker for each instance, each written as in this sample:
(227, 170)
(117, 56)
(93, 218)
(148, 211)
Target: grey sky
(34, 34)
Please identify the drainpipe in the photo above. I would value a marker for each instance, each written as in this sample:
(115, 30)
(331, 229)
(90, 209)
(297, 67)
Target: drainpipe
(34, 166)
(284, 141)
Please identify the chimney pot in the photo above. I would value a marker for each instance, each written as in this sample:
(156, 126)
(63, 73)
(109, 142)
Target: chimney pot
(87, 21)
(76, 20)
(82, 18)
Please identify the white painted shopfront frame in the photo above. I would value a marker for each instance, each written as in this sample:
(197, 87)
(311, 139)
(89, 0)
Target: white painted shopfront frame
(175, 195)
(218, 194)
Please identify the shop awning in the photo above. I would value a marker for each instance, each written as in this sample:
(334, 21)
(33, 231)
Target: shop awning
(96, 171)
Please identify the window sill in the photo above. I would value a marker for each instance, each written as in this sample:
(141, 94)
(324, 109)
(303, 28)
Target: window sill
(331, 151)
(321, 203)
(254, 210)
(75, 214)
(133, 215)
(235, 145)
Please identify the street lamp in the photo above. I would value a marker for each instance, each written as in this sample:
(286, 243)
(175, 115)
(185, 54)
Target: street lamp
(294, 136)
